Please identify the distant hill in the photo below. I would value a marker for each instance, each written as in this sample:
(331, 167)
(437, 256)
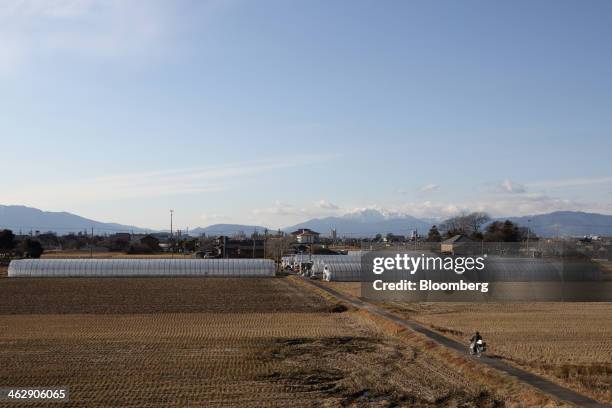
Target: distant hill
(366, 223)
(26, 219)
(567, 223)
(227, 229)
(371, 222)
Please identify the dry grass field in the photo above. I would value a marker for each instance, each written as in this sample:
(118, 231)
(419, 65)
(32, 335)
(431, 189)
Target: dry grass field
(253, 359)
(570, 343)
(214, 342)
(154, 295)
(110, 255)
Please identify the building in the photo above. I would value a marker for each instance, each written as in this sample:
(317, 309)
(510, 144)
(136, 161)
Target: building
(239, 248)
(306, 236)
(414, 236)
(151, 242)
(119, 241)
(457, 244)
(393, 238)
(121, 236)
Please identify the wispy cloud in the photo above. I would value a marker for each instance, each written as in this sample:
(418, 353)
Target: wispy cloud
(145, 184)
(317, 209)
(428, 188)
(511, 187)
(326, 205)
(131, 30)
(510, 205)
(517, 204)
(45, 8)
(425, 189)
(282, 209)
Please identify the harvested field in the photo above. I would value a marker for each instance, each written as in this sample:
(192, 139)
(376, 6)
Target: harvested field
(570, 343)
(154, 295)
(252, 359)
(348, 288)
(244, 342)
(108, 254)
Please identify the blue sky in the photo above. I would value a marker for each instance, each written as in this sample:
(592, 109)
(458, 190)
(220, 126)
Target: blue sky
(273, 112)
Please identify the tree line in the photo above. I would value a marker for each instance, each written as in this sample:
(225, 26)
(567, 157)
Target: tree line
(471, 225)
(11, 246)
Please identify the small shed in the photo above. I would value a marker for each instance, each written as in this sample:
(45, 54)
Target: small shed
(455, 244)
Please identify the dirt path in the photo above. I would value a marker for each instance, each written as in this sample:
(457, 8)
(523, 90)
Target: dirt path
(536, 381)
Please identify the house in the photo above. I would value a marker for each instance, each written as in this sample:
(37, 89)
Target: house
(151, 242)
(457, 244)
(306, 236)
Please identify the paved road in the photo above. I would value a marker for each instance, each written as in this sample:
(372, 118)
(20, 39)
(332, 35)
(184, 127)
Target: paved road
(536, 381)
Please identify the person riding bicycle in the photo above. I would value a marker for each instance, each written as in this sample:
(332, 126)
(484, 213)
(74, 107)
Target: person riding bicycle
(474, 341)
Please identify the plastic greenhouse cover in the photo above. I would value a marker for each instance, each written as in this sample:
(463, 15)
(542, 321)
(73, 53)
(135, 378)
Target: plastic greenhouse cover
(141, 267)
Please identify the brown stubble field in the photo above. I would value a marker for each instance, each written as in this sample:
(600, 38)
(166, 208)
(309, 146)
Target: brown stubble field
(149, 342)
(226, 360)
(569, 343)
(84, 254)
(113, 295)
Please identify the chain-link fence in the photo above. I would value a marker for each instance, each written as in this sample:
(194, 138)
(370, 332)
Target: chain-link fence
(528, 249)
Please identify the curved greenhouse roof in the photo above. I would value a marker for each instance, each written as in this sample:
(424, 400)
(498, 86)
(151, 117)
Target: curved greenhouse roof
(321, 258)
(141, 267)
(342, 271)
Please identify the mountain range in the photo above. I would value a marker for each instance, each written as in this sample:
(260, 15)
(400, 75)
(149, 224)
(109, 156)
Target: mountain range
(368, 222)
(567, 223)
(227, 229)
(25, 219)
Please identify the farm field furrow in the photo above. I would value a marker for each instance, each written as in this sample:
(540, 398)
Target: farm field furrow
(570, 343)
(244, 342)
(279, 359)
(153, 295)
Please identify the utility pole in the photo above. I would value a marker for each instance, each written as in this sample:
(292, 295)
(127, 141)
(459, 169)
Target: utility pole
(171, 214)
(171, 234)
(91, 244)
(528, 232)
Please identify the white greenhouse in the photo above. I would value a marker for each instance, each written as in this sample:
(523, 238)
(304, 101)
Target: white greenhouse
(319, 262)
(141, 267)
(299, 258)
(342, 271)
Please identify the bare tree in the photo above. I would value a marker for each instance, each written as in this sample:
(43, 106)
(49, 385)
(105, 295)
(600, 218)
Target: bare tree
(477, 220)
(276, 247)
(465, 223)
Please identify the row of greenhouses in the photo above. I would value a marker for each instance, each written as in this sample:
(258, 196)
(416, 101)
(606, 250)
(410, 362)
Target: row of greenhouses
(141, 267)
(342, 271)
(346, 268)
(295, 261)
